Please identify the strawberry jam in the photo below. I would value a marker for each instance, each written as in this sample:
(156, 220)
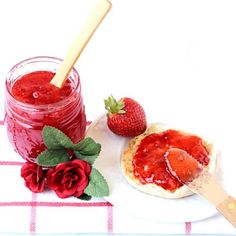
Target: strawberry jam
(32, 102)
(149, 162)
(35, 88)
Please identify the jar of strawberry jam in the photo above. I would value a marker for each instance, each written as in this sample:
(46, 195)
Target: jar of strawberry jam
(33, 102)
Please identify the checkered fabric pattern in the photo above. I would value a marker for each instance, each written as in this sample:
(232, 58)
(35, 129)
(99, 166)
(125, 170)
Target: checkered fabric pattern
(22, 211)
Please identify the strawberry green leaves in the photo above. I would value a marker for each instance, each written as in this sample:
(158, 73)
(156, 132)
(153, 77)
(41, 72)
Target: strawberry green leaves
(61, 149)
(113, 106)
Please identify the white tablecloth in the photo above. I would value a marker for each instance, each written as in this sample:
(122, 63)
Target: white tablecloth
(25, 212)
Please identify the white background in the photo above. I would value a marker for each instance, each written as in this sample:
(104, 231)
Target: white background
(177, 58)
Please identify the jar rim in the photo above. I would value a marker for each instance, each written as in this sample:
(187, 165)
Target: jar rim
(57, 61)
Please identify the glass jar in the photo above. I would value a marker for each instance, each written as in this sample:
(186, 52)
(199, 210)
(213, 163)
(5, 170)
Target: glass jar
(25, 121)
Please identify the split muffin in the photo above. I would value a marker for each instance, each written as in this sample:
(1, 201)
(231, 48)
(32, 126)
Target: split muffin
(143, 163)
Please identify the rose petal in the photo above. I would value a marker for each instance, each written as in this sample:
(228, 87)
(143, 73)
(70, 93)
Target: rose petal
(33, 176)
(69, 178)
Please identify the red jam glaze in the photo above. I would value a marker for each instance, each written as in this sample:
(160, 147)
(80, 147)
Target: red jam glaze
(35, 88)
(24, 128)
(149, 163)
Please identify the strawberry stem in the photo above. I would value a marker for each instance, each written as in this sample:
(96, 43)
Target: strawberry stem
(113, 106)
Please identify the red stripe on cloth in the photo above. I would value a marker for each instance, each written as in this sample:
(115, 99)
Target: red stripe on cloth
(33, 215)
(55, 204)
(110, 219)
(11, 163)
(188, 228)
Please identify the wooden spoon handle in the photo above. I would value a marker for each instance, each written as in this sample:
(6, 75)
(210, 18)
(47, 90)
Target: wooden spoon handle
(206, 186)
(92, 23)
(228, 209)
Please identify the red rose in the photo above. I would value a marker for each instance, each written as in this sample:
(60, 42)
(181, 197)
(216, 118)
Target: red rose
(33, 176)
(69, 178)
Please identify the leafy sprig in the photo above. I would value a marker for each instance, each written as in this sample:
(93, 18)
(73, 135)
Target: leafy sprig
(58, 146)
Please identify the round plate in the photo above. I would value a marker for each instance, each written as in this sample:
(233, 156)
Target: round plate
(131, 200)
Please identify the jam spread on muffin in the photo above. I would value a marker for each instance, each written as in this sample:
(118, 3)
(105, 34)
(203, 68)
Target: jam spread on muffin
(149, 165)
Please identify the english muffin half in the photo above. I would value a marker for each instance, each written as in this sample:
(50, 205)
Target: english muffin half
(157, 187)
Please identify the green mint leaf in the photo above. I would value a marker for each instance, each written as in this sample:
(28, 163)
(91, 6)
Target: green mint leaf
(87, 147)
(52, 157)
(89, 159)
(97, 186)
(85, 197)
(55, 139)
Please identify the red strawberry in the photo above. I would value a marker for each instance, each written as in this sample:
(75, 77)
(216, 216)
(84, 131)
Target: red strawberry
(125, 117)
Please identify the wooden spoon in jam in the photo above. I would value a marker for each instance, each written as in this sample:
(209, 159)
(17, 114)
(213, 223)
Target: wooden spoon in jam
(197, 178)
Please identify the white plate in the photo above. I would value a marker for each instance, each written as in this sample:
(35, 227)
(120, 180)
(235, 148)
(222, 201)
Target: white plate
(132, 201)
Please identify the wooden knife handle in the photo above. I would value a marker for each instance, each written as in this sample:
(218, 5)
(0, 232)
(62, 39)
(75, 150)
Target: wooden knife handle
(228, 209)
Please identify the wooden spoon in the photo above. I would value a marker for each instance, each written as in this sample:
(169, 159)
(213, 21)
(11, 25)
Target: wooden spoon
(92, 23)
(197, 178)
